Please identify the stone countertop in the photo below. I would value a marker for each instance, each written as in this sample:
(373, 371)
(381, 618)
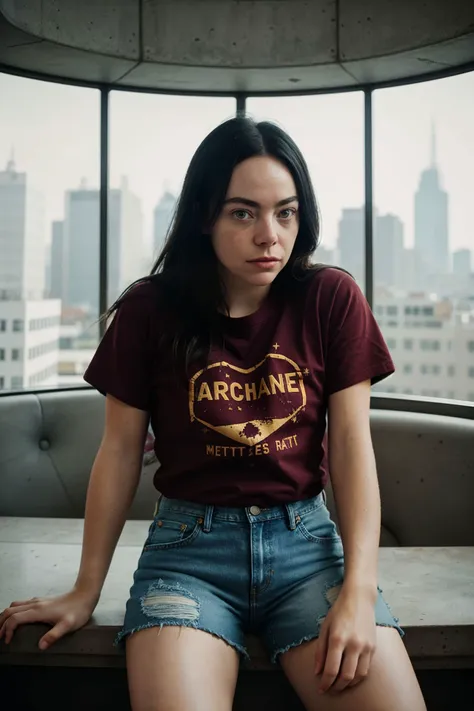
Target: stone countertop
(431, 590)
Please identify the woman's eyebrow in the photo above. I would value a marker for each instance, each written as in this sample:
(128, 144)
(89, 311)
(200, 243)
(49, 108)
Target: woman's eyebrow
(252, 203)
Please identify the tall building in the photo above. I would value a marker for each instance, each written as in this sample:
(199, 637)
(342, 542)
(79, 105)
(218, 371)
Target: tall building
(388, 250)
(22, 236)
(81, 238)
(431, 222)
(350, 242)
(462, 263)
(125, 239)
(29, 323)
(162, 216)
(58, 262)
(324, 256)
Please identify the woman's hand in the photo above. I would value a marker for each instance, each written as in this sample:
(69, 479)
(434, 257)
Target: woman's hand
(347, 641)
(65, 613)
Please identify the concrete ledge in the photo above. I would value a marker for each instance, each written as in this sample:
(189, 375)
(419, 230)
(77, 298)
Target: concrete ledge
(431, 590)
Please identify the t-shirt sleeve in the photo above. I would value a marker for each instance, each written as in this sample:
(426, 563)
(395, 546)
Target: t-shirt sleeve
(121, 366)
(356, 349)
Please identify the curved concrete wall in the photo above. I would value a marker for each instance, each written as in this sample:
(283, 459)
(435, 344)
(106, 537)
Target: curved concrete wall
(237, 45)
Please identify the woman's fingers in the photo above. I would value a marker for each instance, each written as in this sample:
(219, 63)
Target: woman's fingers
(362, 668)
(21, 618)
(10, 611)
(59, 630)
(332, 665)
(24, 602)
(348, 670)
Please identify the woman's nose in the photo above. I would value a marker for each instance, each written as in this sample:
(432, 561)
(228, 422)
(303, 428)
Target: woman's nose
(266, 232)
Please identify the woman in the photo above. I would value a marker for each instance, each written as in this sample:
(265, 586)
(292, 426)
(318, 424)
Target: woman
(237, 349)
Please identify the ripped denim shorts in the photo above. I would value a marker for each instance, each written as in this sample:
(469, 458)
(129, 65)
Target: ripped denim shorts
(272, 572)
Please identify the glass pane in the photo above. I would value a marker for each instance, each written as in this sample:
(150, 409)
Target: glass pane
(49, 147)
(152, 140)
(329, 130)
(423, 235)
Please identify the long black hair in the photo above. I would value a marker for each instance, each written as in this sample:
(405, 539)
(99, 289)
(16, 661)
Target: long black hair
(187, 268)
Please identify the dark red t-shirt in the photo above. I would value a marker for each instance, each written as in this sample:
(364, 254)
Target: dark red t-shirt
(248, 426)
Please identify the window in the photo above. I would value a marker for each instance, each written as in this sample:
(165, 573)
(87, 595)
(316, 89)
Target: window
(41, 228)
(17, 382)
(470, 346)
(451, 370)
(429, 345)
(324, 128)
(391, 343)
(16, 354)
(2, 382)
(2, 353)
(407, 368)
(392, 310)
(151, 146)
(471, 372)
(430, 369)
(408, 344)
(423, 153)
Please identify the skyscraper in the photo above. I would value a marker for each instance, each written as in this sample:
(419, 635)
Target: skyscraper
(431, 221)
(22, 236)
(58, 262)
(350, 242)
(125, 239)
(29, 323)
(162, 215)
(462, 263)
(81, 244)
(388, 250)
(81, 236)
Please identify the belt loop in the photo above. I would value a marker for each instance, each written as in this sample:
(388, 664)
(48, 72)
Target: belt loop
(208, 519)
(157, 505)
(291, 516)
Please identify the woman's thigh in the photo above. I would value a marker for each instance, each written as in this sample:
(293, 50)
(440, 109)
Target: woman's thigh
(390, 686)
(180, 669)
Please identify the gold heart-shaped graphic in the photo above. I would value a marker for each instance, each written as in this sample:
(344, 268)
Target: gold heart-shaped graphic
(235, 397)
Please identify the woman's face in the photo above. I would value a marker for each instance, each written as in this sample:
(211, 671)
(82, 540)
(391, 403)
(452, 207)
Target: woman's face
(255, 233)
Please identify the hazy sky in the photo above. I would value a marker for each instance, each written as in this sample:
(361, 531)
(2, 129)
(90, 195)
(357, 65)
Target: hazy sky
(54, 131)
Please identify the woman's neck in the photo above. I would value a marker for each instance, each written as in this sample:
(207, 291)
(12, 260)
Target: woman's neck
(244, 299)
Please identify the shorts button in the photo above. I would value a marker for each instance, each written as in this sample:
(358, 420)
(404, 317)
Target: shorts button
(254, 510)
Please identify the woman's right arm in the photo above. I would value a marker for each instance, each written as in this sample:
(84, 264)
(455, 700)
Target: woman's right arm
(112, 486)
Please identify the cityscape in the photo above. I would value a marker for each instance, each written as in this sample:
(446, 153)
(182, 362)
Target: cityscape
(49, 287)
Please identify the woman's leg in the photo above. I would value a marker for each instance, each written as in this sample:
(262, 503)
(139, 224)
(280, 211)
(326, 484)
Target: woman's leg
(391, 684)
(180, 669)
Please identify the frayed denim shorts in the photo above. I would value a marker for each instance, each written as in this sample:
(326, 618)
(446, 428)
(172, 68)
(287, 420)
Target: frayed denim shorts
(272, 572)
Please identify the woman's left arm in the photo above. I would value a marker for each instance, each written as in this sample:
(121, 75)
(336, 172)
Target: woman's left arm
(347, 639)
(355, 485)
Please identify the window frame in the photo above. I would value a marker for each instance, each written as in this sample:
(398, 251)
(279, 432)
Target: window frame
(382, 401)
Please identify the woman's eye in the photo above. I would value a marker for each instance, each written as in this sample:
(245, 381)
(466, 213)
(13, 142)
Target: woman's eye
(241, 214)
(287, 213)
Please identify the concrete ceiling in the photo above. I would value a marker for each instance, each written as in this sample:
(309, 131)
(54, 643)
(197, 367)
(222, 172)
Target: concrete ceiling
(229, 46)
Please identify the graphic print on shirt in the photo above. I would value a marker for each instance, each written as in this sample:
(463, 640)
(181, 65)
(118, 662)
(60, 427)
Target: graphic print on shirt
(247, 405)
